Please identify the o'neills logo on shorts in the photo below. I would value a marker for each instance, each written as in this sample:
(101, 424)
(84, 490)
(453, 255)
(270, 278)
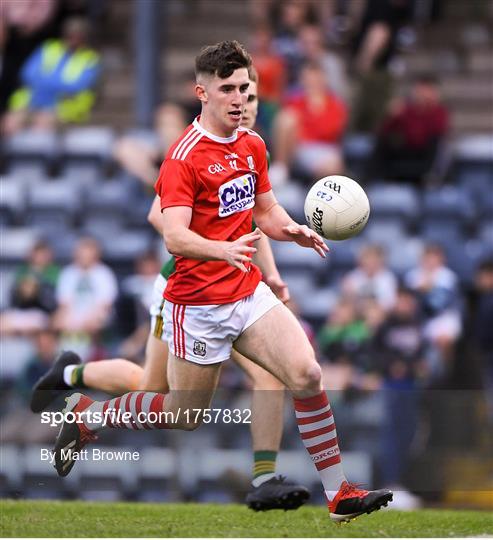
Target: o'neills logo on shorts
(237, 195)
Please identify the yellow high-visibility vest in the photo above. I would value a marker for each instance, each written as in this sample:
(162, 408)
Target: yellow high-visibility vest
(75, 108)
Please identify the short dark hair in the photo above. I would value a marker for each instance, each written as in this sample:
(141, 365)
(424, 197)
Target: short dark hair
(222, 59)
(253, 74)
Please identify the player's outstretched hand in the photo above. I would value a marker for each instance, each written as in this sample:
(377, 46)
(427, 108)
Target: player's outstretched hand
(238, 252)
(279, 288)
(304, 236)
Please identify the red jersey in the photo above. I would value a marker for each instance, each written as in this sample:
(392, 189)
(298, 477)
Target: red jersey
(218, 177)
(325, 124)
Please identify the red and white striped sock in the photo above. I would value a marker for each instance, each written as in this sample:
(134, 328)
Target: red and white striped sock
(135, 410)
(318, 432)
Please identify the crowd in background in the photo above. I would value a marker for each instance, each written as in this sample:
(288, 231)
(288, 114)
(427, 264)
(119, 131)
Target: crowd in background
(324, 70)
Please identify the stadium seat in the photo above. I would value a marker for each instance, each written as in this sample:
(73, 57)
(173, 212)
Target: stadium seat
(16, 244)
(291, 196)
(486, 233)
(474, 148)
(83, 174)
(404, 255)
(343, 255)
(32, 146)
(52, 205)
(37, 471)
(477, 182)
(109, 194)
(438, 229)
(88, 143)
(316, 306)
(448, 202)
(122, 250)
(385, 231)
(357, 149)
(63, 245)
(300, 283)
(290, 256)
(12, 201)
(7, 278)
(10, 472)
(107, 479)
(396, 201)
(463, 258)
(16, 353)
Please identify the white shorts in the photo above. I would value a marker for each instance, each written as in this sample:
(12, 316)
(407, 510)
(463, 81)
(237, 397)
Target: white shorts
(205, 334)
(156, 309)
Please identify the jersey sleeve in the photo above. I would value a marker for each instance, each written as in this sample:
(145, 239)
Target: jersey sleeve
(263, 182)
(176, 184)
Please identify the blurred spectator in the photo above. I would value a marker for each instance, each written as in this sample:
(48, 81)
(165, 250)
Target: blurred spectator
(438, 289)
(272, 74)
(344, 335)
(286, 18)
(33, 294)
(398, 355)
(59, 79)
(36, 280)
(86, 292)
(308, 130)
(136, 299)
(143, 156)
(410, 135)
(20, 425)
(483, 316)
(373, 49)
(23, 26)
(312, 49)
(371, 279)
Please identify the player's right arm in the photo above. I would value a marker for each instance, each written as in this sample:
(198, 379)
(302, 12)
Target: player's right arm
(181, 241)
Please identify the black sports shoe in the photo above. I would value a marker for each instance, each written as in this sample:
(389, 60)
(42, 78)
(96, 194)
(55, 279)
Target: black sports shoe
(51, 384)
(73, 436)
(277, 493)
(350, 502)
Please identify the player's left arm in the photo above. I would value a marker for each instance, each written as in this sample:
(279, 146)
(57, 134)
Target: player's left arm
(275, 222)
(264, 259)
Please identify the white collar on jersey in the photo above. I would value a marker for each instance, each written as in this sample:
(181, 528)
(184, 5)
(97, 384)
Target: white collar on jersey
(223, 140)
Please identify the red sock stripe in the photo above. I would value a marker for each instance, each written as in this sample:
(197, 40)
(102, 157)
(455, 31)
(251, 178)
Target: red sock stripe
(317, 432)
(328, 462)
(113, 415)
(156, 406)
(312, 403)
(323, 446)
(312, 419)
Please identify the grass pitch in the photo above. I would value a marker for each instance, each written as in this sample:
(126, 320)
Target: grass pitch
(79, 519)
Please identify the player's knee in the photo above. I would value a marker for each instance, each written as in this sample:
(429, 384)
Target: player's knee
(309, 377)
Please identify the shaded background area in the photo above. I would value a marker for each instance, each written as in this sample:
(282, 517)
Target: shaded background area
(400, 316)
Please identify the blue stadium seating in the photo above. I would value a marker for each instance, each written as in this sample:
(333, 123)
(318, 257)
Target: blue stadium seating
(87, 144)
(397, 201)
(12, 201)
(32, 146)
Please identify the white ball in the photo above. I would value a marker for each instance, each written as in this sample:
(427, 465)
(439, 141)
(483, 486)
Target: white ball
(337, 207)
